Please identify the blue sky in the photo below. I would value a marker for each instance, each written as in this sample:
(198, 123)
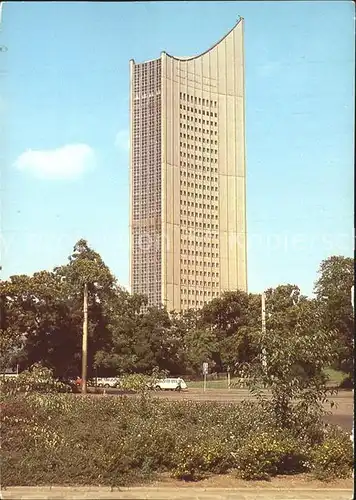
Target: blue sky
(64, 99)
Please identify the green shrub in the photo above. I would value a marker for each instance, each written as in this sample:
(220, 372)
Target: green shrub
(190, 463)
(194, 461)
(134, 382)
(139, 382)
(267, 454)
(334, 457)
(74, 439)
(36, 379)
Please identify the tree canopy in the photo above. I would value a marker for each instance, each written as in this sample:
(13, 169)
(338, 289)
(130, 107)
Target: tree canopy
(333, 292)
(41, 321)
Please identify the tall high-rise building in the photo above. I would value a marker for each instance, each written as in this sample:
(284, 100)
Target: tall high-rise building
(188, 175)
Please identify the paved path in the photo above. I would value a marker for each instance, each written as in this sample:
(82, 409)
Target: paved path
(164, 493)
(341, 419)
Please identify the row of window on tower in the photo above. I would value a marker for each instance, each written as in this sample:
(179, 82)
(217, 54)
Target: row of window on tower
(205, 206)
(207, 293)
(200, 195)
(198, 234)
(198, 215)
(197, 253)
(198, 138)
(204, 187)
(195, 157)
(195, 147)
(146, 87)
(199, 130)
(196, 272)
(198, 110)
(197, 100)
(199, 243)
(200, 263)
(194, 223)
(195, 167)
(197, 120)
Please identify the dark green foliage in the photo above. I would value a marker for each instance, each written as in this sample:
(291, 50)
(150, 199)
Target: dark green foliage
(50, 439)
(41, 321)
(333, 291)
(265, 455)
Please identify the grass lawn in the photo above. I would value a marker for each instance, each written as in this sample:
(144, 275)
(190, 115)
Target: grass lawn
(212, 384)
(336, 377)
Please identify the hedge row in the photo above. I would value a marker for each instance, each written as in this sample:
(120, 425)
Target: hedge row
(50, 439)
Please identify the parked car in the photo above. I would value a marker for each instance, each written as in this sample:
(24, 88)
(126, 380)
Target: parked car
(170, 384)
(75, 384)
(106, 382)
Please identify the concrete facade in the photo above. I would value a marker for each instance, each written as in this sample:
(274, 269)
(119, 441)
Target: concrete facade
(188, 176)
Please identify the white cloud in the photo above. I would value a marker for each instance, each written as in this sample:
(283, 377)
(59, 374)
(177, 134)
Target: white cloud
(68, 162)
(122, 140)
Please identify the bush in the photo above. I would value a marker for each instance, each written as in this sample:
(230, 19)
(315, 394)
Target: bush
(134, 382)
(36, 379)
(195, 460)
(47, 439)
(139, 382)
(334, 457)
(268, 454)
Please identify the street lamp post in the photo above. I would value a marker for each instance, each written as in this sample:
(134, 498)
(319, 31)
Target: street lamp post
(294, 291)
(263, 311)
(85, 340)
(353, 310)
(263, 327)
(353, 297)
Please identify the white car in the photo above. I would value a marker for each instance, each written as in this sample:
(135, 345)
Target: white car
(170, 384)
(107, 382)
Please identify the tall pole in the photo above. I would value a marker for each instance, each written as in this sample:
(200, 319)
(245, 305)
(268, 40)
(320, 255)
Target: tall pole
(353, 297)
(263, 314)
(353, 308)
(85, 340)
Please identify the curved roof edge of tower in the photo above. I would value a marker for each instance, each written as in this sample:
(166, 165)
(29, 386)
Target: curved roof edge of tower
(240, 21)
(188, 121)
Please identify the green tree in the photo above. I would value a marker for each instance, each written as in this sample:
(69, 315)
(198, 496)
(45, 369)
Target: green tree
(333, 292)
(86, 266)
(226, 314)
(42, 314)
(38, 321)
(238, 349)
(233, 318)
(297, 351)
(201, 346)
(141, 338)
(124, 316)
(281, 313)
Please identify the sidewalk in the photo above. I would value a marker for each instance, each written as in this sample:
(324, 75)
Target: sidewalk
(167, 493)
